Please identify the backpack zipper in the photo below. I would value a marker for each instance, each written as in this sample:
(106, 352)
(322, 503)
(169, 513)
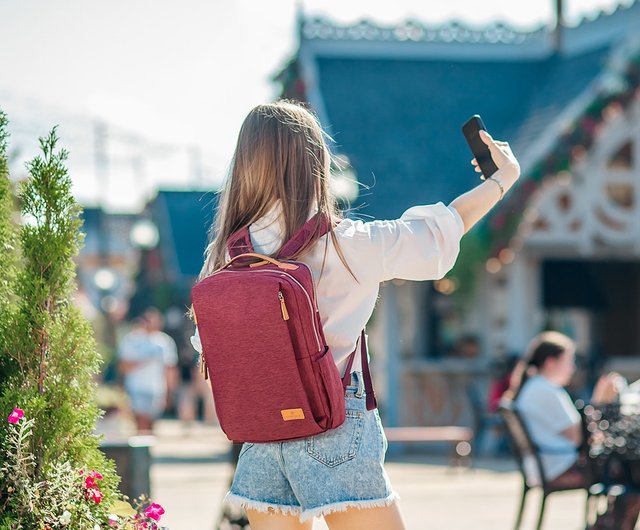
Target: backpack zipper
(313, 311)
(283, 306)
(204, 370)
(203, 364)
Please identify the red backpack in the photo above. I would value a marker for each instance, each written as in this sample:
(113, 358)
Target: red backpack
(272, 375)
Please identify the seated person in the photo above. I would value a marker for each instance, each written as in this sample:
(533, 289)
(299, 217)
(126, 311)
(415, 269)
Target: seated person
(552, 419)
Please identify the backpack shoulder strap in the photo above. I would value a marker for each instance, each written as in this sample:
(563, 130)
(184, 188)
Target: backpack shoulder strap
(372, 403)
(313, 229)
(239, 243)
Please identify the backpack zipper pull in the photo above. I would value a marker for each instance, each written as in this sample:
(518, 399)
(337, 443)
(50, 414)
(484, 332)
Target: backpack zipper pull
(283, 306)
(203, 367)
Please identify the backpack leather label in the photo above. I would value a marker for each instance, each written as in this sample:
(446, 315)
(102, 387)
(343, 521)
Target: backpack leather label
(292, 414)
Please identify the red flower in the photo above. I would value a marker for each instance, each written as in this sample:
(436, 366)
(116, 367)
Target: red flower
(94, 494)
(90, 481)
(154, 511)
(16, 415)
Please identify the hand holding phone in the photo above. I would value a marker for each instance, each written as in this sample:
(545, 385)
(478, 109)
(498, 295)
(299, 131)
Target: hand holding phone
(471, 130)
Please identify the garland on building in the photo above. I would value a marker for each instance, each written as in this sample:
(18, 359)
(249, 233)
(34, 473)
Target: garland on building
(291, 82)
(500, 236)
(497, 240)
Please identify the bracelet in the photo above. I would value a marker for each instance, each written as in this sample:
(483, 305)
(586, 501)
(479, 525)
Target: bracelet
(499, 185)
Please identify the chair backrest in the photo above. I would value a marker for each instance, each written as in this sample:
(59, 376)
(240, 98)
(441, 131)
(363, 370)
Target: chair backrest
(525, 450)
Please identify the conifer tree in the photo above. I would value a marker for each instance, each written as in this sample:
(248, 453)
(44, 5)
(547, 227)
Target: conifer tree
(47, 350)
(8, 251)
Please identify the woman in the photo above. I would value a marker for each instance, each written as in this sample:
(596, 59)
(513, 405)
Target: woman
(551, 417)
(279, 178)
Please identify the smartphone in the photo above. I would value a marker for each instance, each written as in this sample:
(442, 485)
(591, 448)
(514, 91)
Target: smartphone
(471, 130)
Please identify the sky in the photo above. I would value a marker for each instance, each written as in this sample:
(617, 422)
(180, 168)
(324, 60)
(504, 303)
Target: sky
(152, 93)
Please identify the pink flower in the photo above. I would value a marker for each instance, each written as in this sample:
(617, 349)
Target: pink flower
(16, 415)
(154, 511)
(94, 494)
(90, 481)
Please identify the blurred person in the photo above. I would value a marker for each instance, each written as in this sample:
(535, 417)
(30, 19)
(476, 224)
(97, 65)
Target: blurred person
(501, 380)
(205, 397)
(193, 390)
(155, 326)
(501, 373)
(553, 421)
(466, 384)
(280, 178)
(467, 347)
(486, 423)
(147, 359)
(186, 392)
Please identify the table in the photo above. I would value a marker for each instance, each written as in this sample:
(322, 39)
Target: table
(613, 442)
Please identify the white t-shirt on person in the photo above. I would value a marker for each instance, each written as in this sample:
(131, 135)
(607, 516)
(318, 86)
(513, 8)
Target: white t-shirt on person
(422, 245)
(155, 351)
(547, 410)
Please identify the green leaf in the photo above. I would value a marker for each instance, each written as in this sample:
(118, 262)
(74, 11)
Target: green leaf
(122, 509)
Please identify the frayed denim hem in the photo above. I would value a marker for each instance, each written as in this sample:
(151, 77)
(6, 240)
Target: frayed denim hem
(259, 506)
(321, 511)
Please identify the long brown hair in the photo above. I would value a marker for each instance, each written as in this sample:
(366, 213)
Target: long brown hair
(545, 345)
(281, 155)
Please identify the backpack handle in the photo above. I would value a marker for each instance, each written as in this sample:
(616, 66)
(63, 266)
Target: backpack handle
(240, 242)
(265, 259)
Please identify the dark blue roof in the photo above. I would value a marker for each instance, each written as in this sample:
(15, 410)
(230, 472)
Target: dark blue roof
(183, 219)
(398, 120)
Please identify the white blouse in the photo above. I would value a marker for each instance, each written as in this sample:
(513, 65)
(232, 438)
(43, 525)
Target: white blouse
(422, 245)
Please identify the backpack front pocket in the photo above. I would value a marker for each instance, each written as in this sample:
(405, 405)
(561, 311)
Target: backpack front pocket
(258, 391)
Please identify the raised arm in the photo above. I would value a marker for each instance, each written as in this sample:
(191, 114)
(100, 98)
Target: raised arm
(476, 203)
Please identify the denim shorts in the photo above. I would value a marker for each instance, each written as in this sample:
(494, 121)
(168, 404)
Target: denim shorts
(149, 404)
(314, 476)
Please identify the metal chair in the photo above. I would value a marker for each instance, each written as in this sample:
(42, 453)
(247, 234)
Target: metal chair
(527, 455)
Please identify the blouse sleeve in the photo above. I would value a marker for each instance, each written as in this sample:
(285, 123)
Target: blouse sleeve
(422, 245)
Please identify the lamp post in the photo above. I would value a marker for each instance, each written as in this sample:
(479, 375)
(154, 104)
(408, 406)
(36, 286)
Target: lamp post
(144, 237)
(106, 281)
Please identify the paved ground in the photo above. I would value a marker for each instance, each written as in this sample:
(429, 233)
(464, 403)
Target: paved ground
(191, 472)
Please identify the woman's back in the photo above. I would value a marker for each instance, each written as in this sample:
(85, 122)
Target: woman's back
(422, 245)
(280, 177)
(548, 410)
